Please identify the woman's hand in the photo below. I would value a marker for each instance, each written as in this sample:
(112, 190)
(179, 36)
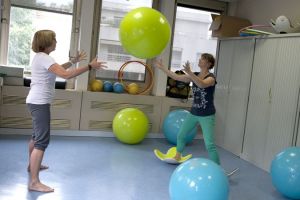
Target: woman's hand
(79, 57)
(187, 68)
(97, 65)
(184, 78)
(158, 63)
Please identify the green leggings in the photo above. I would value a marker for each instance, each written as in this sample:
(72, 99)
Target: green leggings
(207, 124)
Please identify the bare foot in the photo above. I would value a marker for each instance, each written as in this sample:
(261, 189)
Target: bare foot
(39, 187)
(177, 156)
(43, 167)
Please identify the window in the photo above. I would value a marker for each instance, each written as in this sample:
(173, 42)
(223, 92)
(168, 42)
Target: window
(26, 17)
(177, 57)
(191, 36)
(109, 47)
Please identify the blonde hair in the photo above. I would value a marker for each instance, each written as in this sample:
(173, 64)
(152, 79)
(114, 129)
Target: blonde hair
(42, 39)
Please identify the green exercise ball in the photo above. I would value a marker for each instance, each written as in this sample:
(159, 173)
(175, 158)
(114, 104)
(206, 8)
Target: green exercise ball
(130, 125)
(144, 32)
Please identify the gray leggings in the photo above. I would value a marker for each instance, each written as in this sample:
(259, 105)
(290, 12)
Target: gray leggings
(40, 124)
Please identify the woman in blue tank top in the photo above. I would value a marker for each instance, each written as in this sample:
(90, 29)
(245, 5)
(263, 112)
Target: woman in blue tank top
(203, 109)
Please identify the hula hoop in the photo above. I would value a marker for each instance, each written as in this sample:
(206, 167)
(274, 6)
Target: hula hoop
(149, 86)
(249, 30)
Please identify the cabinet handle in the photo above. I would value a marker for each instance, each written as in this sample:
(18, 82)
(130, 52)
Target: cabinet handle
(270, 95)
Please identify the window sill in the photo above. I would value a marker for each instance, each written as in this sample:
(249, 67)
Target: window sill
(59, 84)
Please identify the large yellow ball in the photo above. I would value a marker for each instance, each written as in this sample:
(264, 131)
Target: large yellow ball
(133, 88)
(144, 32)
(130, 125)
(96, 85)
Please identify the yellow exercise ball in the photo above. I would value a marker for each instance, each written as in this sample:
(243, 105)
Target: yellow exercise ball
(130, 125)
(133, 88)
(96, 85)
(144, 32)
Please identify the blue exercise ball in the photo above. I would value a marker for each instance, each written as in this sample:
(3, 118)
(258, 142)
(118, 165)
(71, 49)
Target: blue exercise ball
(285, 172)
(172, 124)
(198, 179)
(107, 86)
(118, 87)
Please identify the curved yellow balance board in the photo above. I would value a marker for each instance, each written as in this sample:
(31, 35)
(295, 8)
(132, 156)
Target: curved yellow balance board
(169, 156)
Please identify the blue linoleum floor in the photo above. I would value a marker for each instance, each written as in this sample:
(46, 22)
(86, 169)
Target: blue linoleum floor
(92, 168)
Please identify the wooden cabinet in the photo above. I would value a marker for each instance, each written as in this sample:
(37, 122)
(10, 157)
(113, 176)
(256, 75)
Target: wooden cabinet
(267, 122)
(65, 109)
(74, 111)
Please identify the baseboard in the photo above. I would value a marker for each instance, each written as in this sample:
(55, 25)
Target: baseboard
(11, 131)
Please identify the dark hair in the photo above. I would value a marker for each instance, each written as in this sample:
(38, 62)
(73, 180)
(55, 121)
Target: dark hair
(42, 39)
(209, 58)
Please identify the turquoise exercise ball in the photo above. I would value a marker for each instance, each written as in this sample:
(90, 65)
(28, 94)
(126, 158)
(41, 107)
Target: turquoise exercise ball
(144, 32)
(172, 124)
(285, 172)
(198, 179)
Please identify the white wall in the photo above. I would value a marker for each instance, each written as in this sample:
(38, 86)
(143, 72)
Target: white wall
(261, 11)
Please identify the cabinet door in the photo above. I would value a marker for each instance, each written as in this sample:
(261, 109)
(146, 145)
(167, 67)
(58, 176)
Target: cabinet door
(272, 109)
(284, 94)
(231, 97)
(297, 124)
(258, 111)
(223, 70)
(298, 132)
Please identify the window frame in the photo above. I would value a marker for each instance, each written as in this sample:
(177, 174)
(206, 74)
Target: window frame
(80, 83)
(95, 39)
(5, 23)
(184, 5)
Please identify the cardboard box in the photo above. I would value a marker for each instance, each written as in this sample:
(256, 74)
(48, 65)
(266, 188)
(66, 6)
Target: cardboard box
(227, 26)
